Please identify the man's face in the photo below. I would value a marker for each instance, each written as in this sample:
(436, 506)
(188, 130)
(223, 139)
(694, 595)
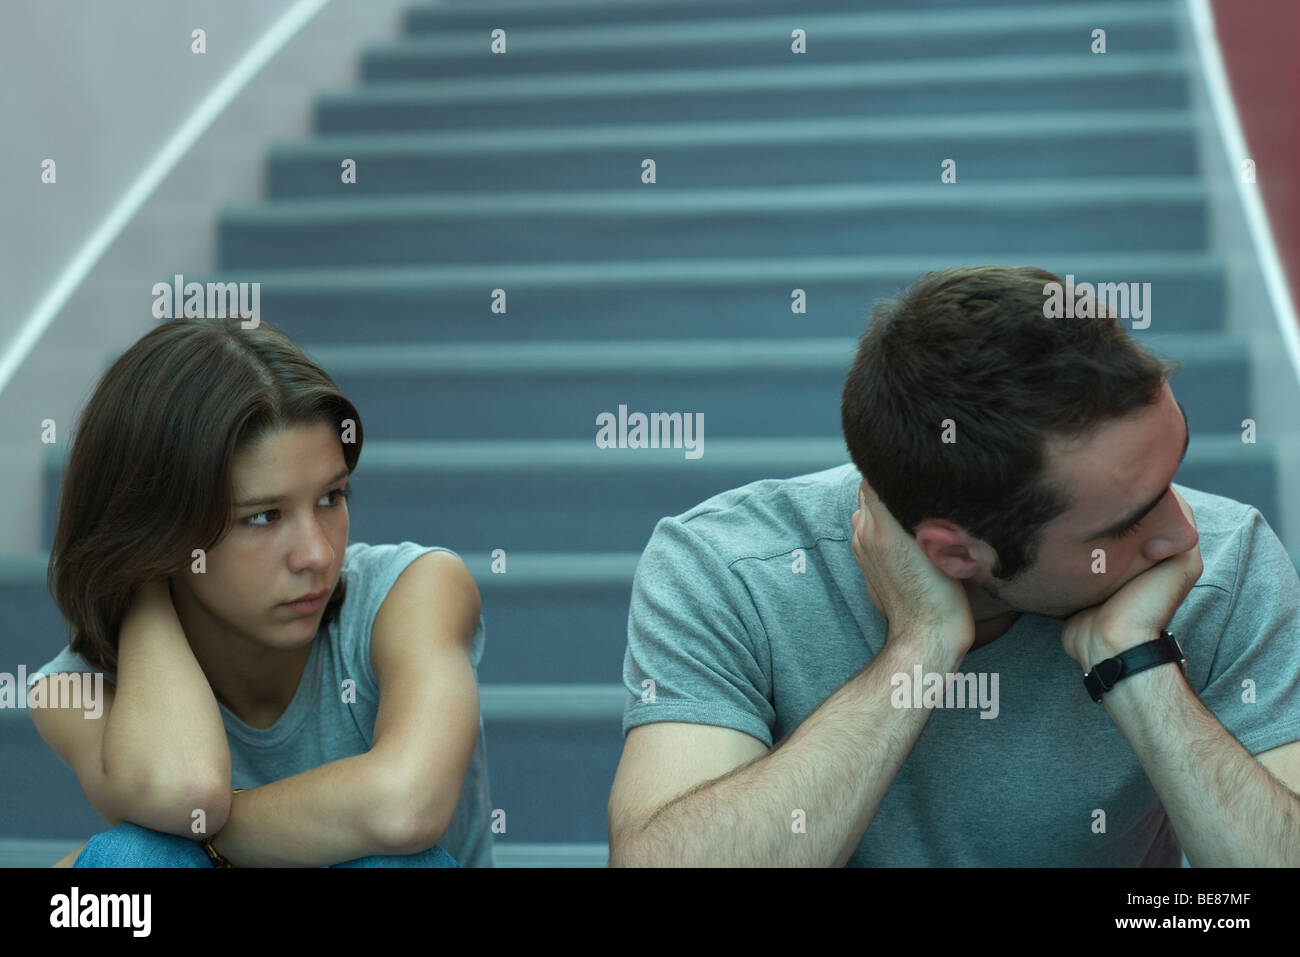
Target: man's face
(289, 533)
(1122, 469)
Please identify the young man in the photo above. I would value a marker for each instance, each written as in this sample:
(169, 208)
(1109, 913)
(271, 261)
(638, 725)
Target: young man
(794, 645)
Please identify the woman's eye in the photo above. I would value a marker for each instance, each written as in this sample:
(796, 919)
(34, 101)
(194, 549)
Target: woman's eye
(1128, 531)
(341, 493)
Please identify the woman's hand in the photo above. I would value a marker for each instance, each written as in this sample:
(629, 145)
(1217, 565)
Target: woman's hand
(151, 597)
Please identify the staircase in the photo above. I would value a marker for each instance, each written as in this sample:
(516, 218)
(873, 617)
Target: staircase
(522, 172)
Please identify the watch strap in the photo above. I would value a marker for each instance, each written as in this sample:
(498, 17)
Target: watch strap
(1108, 673)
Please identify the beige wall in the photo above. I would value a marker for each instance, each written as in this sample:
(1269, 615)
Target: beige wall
(99, 87)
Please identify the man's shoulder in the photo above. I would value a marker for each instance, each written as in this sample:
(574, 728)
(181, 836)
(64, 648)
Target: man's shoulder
(1218, 509)
(1220, 522)
(773, 516)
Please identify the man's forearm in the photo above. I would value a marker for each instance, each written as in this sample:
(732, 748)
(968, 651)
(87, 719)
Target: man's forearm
(330, 814)
(834, 768)
(1225, 807)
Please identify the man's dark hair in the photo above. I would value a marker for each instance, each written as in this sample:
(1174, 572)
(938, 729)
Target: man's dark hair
(972, 345)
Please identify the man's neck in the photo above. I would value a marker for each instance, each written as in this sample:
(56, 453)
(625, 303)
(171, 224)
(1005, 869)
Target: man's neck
(990, 629)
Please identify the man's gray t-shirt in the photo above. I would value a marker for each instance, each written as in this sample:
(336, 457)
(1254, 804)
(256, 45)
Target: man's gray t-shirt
(733, 634)
(319, 727)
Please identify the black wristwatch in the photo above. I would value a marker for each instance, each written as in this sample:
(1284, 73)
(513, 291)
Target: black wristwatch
(1106, 674)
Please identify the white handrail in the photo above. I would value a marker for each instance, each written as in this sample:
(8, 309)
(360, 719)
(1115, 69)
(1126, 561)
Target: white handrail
(1234, 143)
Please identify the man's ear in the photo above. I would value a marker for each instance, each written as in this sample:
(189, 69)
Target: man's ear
(950, 548)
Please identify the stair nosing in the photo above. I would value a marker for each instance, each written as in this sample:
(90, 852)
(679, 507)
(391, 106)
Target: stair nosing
(800, 131)
(786, 78)
(714, 270)
(654, 201)
(565, 357)
(742, 28)
(537, 456)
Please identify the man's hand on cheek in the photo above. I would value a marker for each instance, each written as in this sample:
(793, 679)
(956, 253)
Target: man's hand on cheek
(907, 589)
(1139, 611)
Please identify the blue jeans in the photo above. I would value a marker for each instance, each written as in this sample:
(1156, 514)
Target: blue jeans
(129, 845)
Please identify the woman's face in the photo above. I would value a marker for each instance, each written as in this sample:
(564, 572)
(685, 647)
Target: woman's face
(289, 532)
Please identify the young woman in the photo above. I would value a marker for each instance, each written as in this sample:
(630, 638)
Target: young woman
(272, 695)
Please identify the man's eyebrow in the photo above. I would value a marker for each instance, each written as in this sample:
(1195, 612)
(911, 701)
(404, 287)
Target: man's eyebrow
(1137, 516)
(272, 499)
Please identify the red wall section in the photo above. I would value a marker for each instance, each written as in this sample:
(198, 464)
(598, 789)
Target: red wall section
(1260, 43)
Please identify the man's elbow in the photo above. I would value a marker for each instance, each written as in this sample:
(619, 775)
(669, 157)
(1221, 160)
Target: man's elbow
(620, 855)
(624, 849)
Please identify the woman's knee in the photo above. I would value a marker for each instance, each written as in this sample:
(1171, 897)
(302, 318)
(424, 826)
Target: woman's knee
(433, 857)
(130, 845)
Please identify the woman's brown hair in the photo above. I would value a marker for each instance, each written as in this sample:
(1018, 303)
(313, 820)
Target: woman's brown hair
(148, 476)
(973, 345)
